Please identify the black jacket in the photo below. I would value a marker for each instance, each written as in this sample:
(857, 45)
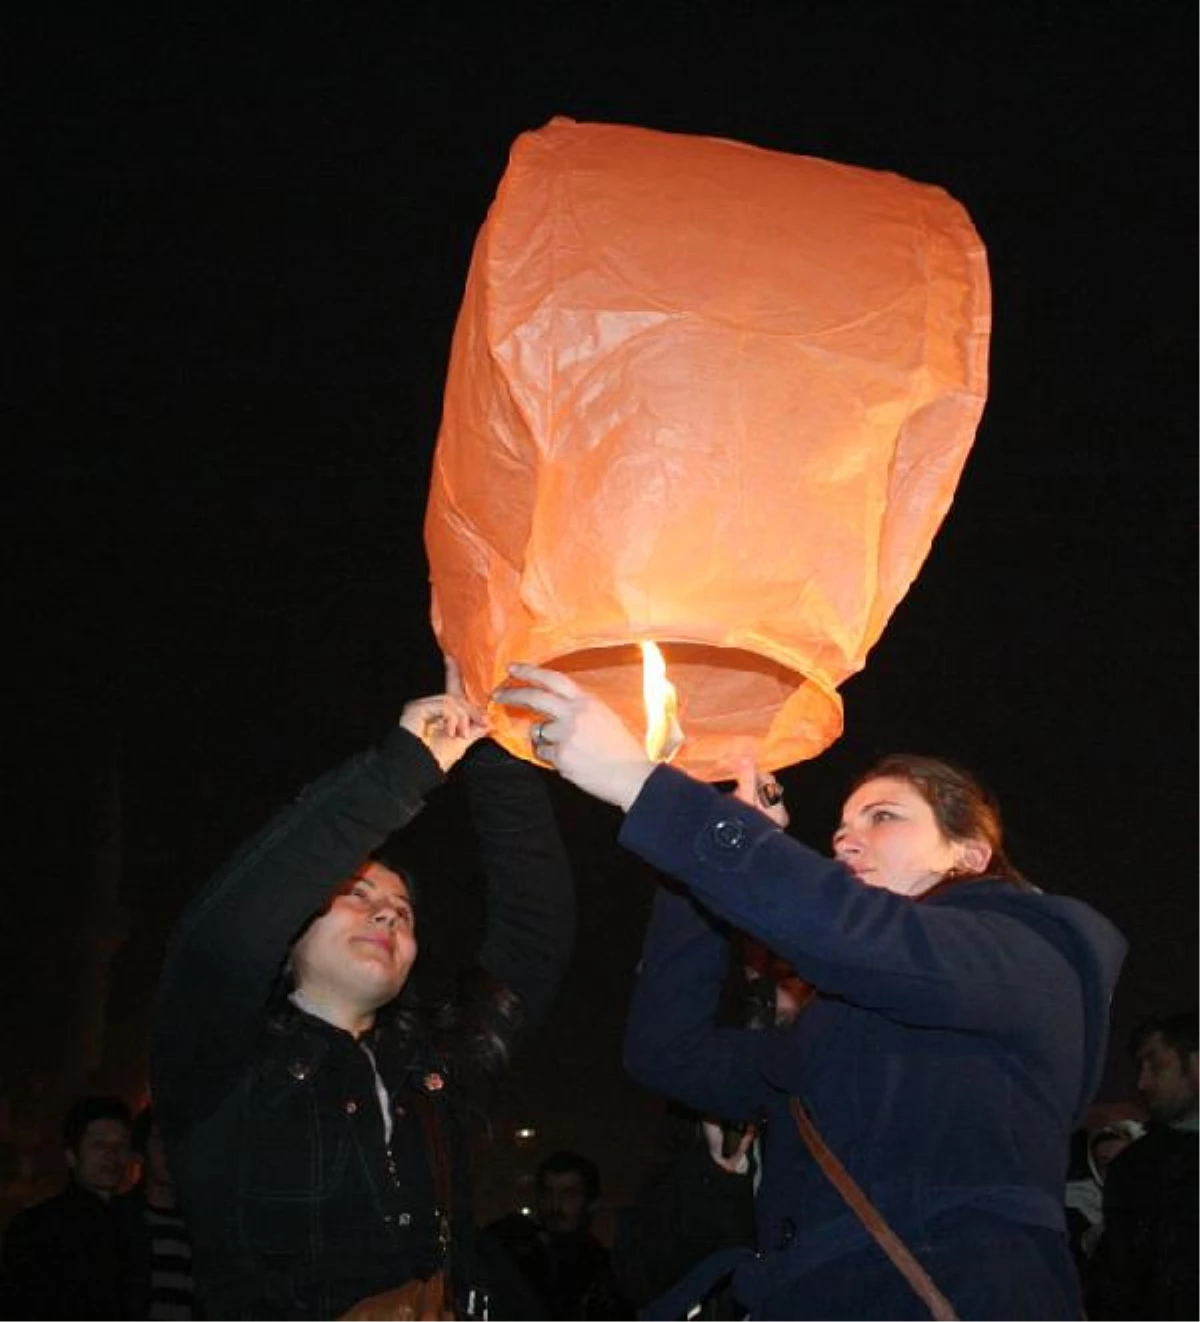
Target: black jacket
(66, 1257)
(296, 1204)
(1145, 1263)
(571, 1275)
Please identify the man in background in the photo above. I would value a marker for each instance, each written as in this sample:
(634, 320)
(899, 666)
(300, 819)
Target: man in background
(68, 1256)
(1145, 1263)
(563, 1262)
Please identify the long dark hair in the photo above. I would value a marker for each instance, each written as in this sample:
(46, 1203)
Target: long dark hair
(470, 1028)
(962, 807)
(474, 1024)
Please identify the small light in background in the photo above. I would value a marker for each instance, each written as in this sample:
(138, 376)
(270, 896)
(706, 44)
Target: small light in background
(524, 1136)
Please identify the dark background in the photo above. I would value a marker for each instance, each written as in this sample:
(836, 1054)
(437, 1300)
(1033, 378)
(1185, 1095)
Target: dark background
(241, 235)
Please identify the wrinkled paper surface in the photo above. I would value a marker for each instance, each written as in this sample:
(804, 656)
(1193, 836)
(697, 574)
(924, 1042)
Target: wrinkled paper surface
(705, 394)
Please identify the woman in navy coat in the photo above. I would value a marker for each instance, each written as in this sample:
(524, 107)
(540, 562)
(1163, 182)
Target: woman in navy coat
(959, 1034)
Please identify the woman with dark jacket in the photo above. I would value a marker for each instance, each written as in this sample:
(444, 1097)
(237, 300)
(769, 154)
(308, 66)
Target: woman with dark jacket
(958, 1035)
(307, 1102)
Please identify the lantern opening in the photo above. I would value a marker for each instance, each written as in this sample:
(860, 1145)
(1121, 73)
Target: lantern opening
(729, 700)
(664, 734)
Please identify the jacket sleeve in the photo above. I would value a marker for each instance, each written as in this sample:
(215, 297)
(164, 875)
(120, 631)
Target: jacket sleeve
(940, 964)
(673, 1043)
(226, 951)
(530, 924)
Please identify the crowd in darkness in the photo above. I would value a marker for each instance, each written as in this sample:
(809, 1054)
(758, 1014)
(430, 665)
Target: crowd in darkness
(113, 1242)
(911, 997)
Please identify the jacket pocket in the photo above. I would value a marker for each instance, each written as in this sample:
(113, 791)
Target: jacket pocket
(297, 1150)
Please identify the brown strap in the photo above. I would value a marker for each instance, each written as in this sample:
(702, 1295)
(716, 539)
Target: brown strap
(413, 1301)
(939, 1306)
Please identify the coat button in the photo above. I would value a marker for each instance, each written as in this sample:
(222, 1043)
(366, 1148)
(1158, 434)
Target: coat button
(728, 833)
(351, 1106)
(298, 1069)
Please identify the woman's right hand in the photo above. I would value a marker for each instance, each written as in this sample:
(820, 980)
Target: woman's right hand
(582, 738)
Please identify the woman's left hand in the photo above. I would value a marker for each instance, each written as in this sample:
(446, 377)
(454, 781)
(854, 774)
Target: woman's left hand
(761, 791)
(737, 1160)
(447, 724)
(582, 738)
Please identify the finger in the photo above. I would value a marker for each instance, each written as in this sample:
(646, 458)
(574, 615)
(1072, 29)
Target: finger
(537, 700)
(468, 713)
(770, 792)
(553, 680)
(770, 800)
(454, 684)
(458, 723)
(714, 1138)
(450, 714)
(746, 786)
(539, 736)
(422, 710)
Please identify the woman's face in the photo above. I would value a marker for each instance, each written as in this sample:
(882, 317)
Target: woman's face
(358, 954)
(890, 838)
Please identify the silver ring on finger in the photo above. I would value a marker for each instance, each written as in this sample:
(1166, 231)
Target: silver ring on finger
(770, 792)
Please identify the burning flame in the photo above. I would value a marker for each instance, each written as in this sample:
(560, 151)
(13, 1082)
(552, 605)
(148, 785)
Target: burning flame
(664, 735)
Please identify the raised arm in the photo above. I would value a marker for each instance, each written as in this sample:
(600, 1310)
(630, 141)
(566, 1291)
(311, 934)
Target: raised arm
(965, 964)
(225, 954)
(974, 964)
(530, 927)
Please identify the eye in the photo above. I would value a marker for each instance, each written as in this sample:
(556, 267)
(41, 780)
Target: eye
(882, 815)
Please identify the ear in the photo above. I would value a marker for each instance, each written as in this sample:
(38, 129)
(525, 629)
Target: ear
(974, 856)
(71, 1159)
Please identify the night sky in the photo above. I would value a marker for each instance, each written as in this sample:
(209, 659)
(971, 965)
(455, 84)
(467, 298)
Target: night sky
(241, 236)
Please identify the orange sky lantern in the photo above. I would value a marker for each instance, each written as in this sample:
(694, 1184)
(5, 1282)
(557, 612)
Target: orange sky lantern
(708, 396)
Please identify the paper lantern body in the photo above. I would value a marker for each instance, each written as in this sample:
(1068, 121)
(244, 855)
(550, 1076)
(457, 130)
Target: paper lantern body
(709, 395)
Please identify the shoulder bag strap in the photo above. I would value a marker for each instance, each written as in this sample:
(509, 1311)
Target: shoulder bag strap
(939, 1306)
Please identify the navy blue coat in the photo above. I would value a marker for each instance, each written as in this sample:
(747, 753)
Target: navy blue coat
(955, 1044)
